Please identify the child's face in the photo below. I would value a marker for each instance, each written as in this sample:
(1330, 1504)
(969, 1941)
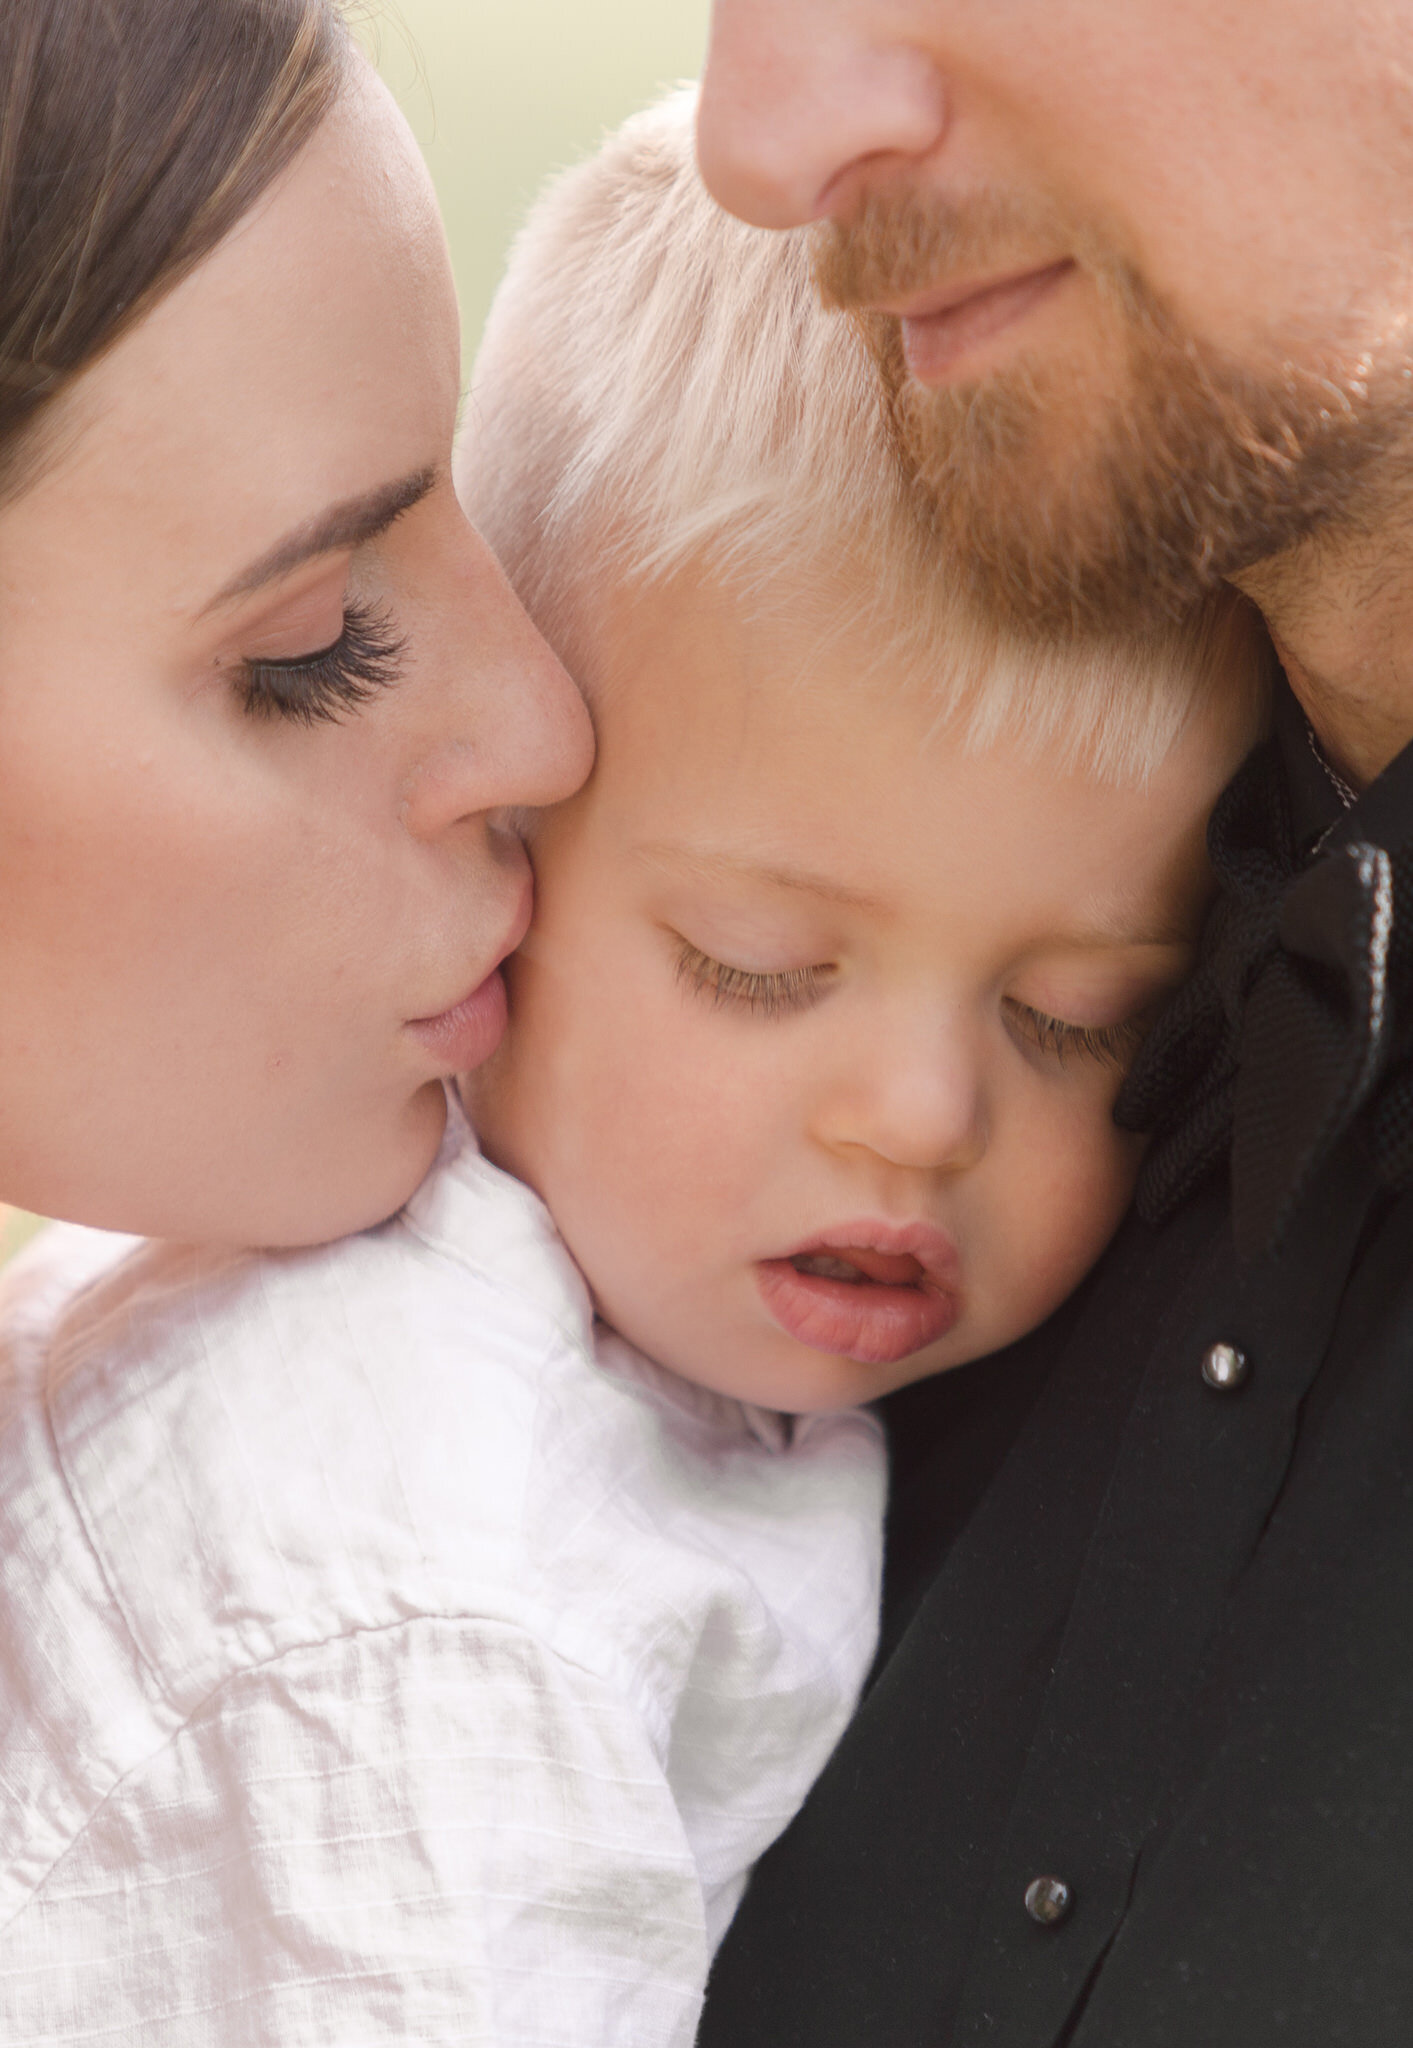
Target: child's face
(816, 1037)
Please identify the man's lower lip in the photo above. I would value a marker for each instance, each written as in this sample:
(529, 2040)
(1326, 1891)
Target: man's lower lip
(936, 345)
(872, 1324)
(468, 1033)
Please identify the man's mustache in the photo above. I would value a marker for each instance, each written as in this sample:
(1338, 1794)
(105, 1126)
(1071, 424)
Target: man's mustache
(901, 243)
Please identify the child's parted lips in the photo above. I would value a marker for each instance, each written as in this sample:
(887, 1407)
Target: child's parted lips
(860, 1264)
(873, 1292)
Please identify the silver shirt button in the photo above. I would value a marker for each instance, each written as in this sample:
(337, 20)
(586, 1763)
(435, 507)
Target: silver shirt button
(1047, 1900)
(1224, 1367)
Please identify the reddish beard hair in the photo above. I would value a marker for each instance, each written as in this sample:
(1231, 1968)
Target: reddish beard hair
(1107, 497)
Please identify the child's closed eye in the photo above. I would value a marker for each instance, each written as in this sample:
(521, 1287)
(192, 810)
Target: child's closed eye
(762, 994)
(1112, 1045)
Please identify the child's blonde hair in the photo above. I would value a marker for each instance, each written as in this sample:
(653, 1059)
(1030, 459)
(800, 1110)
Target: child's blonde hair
(660, 386)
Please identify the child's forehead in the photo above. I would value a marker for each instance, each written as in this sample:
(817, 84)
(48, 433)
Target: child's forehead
(739, 742)
(670, 665)
(786, 653)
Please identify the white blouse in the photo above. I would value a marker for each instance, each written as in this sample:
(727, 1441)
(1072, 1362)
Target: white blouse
(387, 1655)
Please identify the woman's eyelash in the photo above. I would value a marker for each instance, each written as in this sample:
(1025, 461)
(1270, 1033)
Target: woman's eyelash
(366, 658)
(1113, 1045)
(765, 995)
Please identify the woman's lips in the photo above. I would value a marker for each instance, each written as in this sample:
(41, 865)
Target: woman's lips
(873, 1293)
(469, 1032)
(937, 338)
(465, 1035)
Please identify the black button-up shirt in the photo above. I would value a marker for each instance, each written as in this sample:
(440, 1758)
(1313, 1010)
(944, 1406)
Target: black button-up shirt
(1146, 1636)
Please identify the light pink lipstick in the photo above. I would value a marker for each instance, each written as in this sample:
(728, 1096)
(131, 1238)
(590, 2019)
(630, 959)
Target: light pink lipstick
(466, 1034)
(874, 1292)
(469, 1032)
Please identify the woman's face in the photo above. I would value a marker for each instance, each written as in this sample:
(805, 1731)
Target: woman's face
(263, 699)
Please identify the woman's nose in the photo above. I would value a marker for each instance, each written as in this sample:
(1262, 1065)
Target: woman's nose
(520, 734)
(798, 93)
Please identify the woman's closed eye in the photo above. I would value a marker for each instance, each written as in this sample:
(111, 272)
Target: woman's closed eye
(333, 681)
(1112, 1045)
(761, 994)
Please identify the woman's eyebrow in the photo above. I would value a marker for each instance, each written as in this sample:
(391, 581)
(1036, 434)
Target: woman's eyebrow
(347, 525)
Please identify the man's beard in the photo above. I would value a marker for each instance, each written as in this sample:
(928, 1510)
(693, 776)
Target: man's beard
(1090, 506)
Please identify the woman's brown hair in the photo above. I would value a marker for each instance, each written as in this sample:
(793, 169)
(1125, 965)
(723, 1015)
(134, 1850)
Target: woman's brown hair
(133, 135)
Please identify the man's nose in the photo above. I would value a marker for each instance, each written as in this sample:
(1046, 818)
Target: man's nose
(799, 94)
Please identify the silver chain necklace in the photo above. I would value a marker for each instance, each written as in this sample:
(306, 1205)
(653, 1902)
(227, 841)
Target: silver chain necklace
(1347, 796)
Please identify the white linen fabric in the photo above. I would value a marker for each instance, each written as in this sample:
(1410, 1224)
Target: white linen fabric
(387, 1656)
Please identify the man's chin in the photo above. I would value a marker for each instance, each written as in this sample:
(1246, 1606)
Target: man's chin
(1118, 496)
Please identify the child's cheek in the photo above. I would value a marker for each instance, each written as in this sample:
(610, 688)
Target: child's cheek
(1070, 1214)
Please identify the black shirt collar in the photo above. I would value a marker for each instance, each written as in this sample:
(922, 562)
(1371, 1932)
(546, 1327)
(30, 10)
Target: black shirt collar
(1382, 814)
(1315, 804)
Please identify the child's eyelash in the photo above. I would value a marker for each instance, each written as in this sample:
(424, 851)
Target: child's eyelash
(366, 658)
(1113, 1045)
(765, 995)
(772, 995)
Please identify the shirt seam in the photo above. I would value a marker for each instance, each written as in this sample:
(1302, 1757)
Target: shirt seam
(263, 1664)
(158, 1694)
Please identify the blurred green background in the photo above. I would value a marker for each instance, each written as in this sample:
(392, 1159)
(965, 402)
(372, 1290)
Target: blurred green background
(15, 1229)
(500, 92)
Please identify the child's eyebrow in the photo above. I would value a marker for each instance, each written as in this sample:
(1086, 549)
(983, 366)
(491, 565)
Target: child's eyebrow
(1107, 931)
(715, 865)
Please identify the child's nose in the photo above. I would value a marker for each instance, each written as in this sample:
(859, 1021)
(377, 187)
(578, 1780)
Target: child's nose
(916, 1100)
